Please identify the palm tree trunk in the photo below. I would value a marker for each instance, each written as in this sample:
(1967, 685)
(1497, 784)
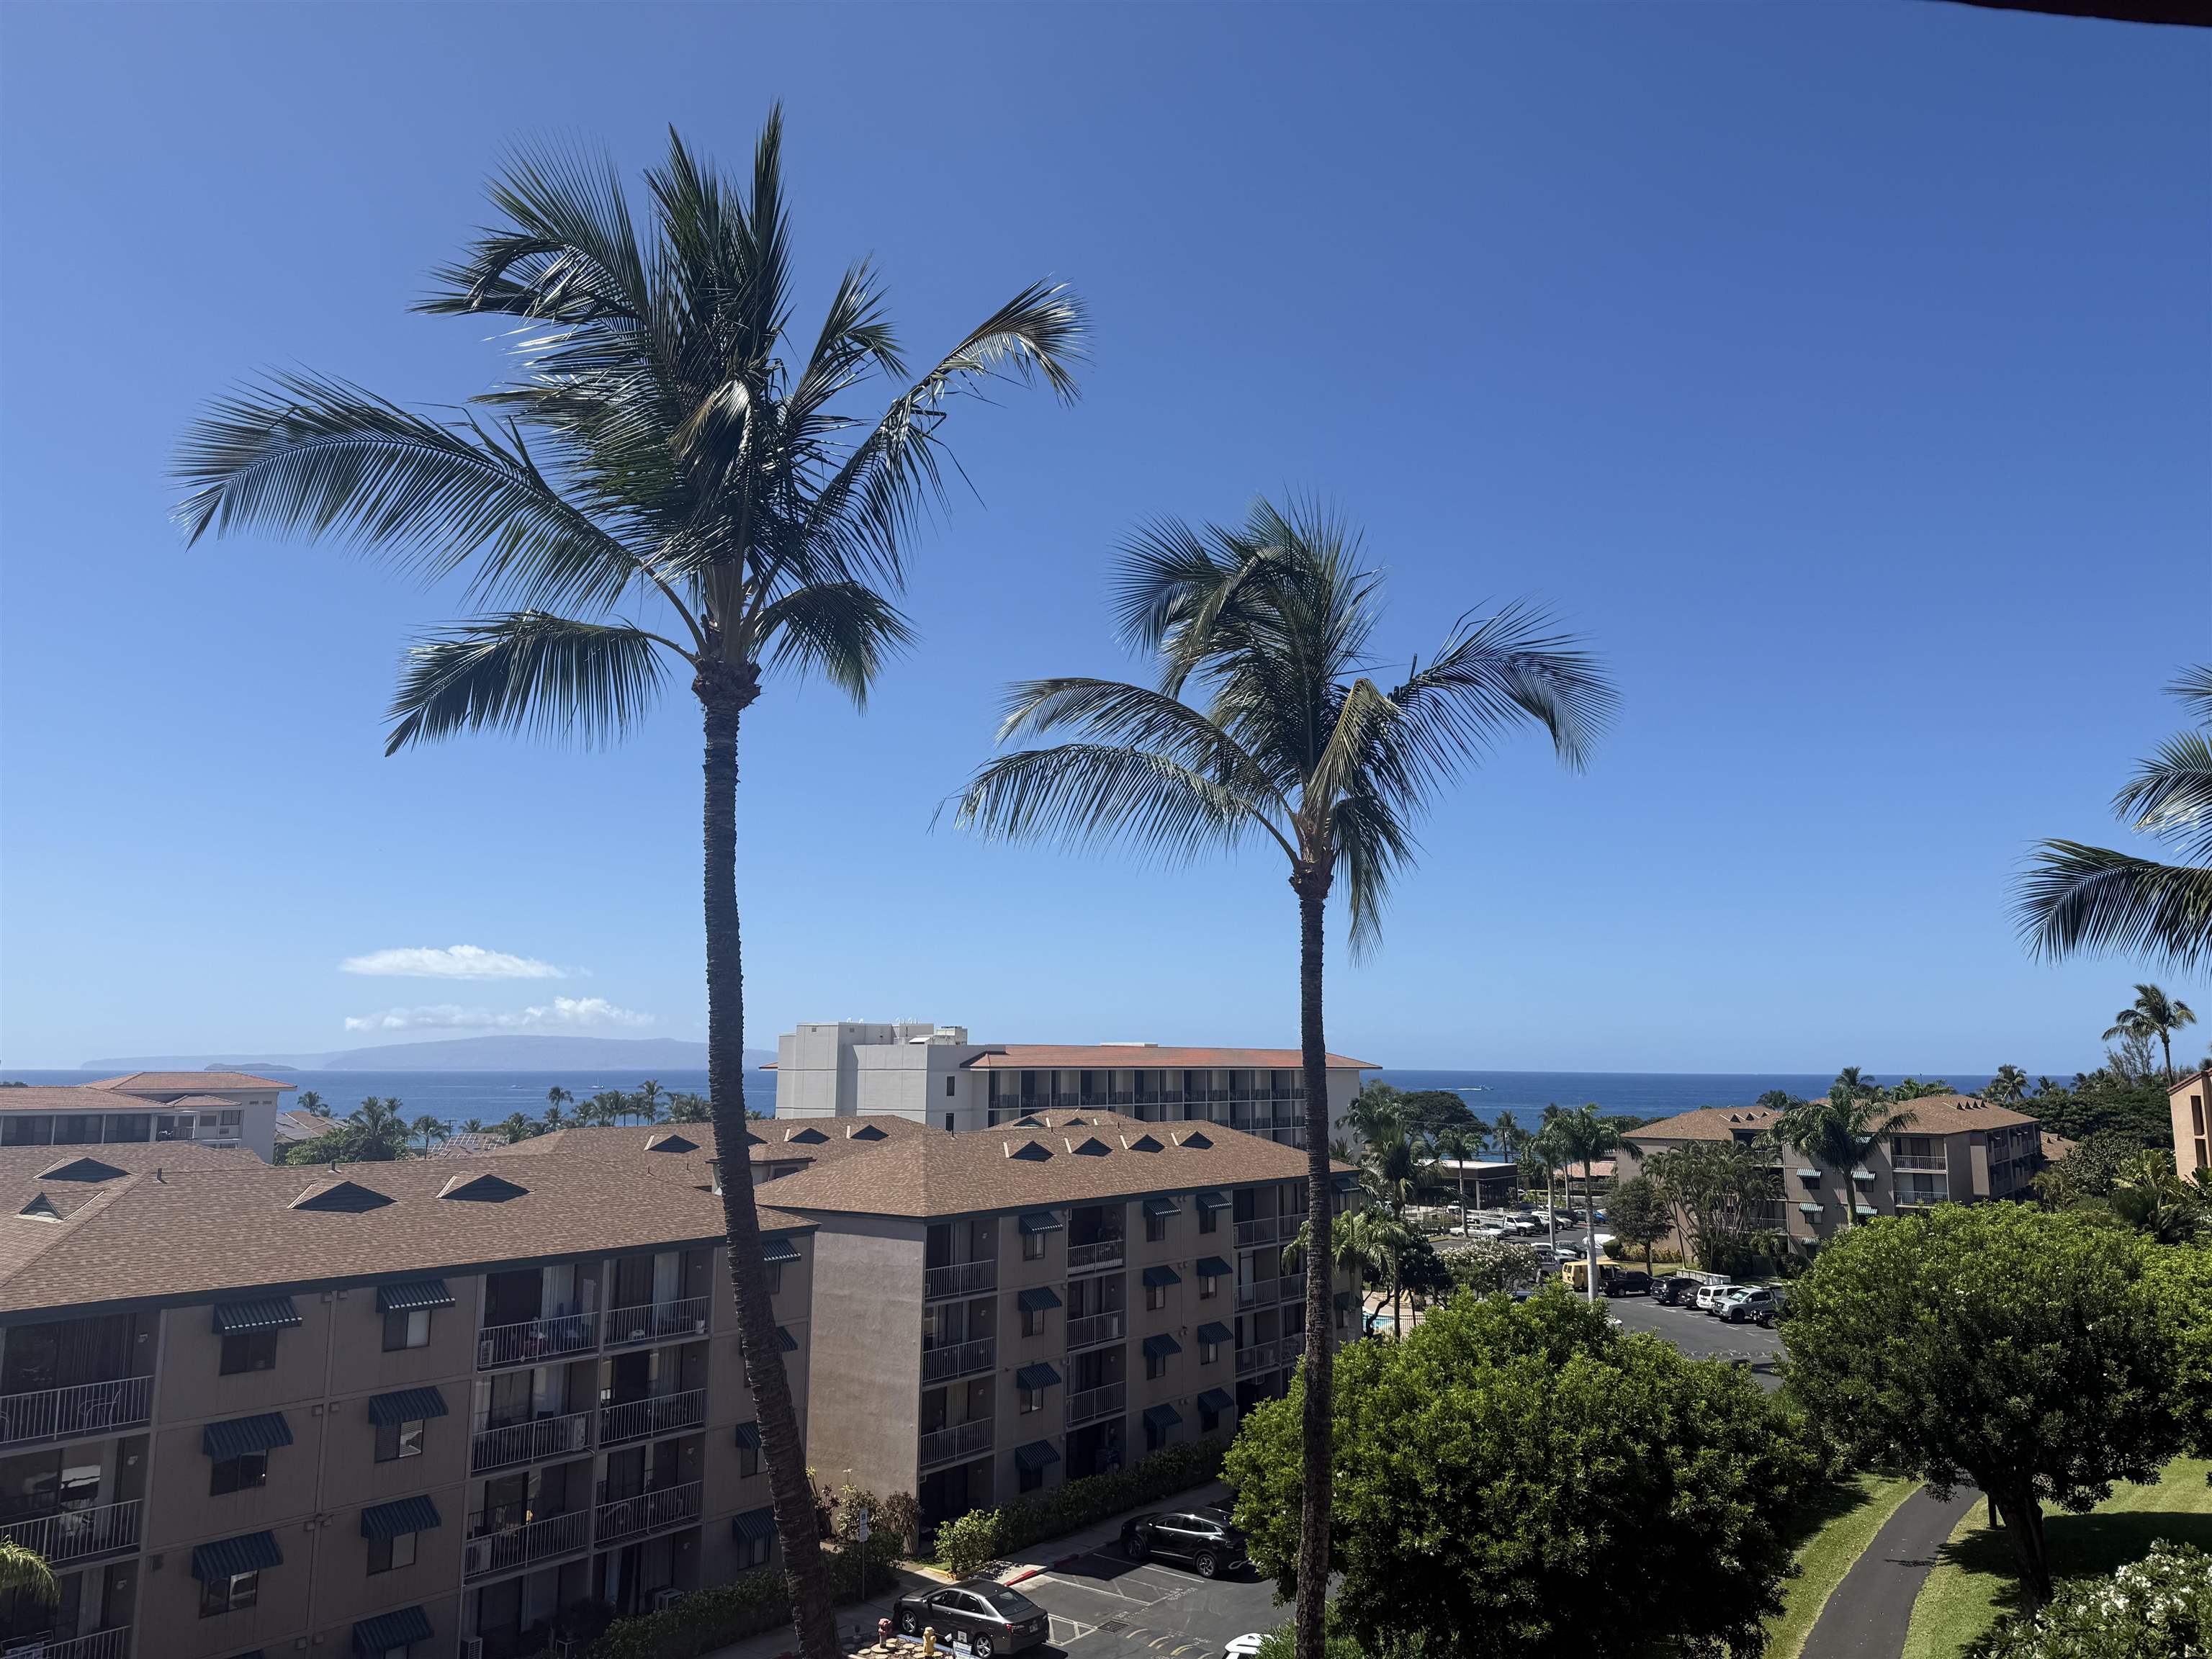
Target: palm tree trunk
(805, 1574)
(2166, 1042)
(1590, 1237)
(1311, 886)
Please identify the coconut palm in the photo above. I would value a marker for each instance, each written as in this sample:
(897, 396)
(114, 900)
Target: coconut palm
(1839, 1130)
(554, 1121)
(556, 1097)
(24, 1571)
(1459, 1144)
(313, 1103)
(1271, 623)
(2007, 1087)
(1543, 1145)
(472, 1126)
(648, 1098)
(676, 485)
(1583, 1137)
(2076, 897)
(379, 1130)
(427, 1129)
(2153, 1014)
(516, 1127)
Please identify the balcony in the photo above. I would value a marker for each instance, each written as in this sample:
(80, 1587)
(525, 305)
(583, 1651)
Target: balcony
(71, 1414)
(1264, 1355)
(1921, 1165)
(960, 1441)
(958, 1359)
(655, 1414)
(1092, 1404)
(78, 1535)
(1266, 1229)
(100, 1645)
(654, 1322)
(960, 1278)
(1094, 1328)
(546, 1440)
(648, 1513)
(502, 1548)
(1101, 1252)
(1266, 1292)
(534, 1341)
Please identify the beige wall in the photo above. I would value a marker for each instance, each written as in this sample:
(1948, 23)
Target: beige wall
(2190, 1105)
(193, 1387)
(865, 1367)
(168, 1619)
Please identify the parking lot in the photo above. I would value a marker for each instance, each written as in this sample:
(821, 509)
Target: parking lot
(1102, 1605)
(1701, 1336)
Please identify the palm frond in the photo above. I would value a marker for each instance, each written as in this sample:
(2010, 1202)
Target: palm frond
(526, 671)
(1038, 335)
(1510, 665)
(2193, 685)
(842, 631)
(2171, 795)
(2076, 897)
(1136, 717)
(1091, 795)
(24, 1571)
(1371, 842)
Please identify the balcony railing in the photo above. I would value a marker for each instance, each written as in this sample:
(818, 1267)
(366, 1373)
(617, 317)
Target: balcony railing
(73, 1534)
(659, 1413)
(961, 1279)
(493, 1548)
(1921, 1166)
(100, 1645)
(545, 1440)
(1266, 1292)
(969, 1439)
(67, 1414)
(1259, 1356)
(1094, 1328)
(1091, 1404)
(958, 1359)
(535, 1341)
(1250, 1235)
(654, 1322)
(1101, 1252)
(648, 1513)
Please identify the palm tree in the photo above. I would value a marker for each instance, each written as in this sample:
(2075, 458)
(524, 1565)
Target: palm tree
(671, 450)
(427, 1129)
(1294, 745)
(1583, 1138)
(2007, 1087)
(1357, 1245)
(313, 1103)
(1545, 1144)
(1459, 1143)
(1839, 1130)
(554, 1121)
(649, 1097)
(379, 1129)
(24, 1570)
(516, 1127)
(472, 1126)
(556, 1098)
(2153, 1014)
(2076, 897)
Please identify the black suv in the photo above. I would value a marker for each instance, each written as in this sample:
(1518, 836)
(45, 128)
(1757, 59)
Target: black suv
(1679, 1292)
(987, 1616)
(1205, 1539)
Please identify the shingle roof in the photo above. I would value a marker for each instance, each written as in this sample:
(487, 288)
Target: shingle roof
(1706, 1123)
(165, 1082)
(71, 1097)
(1936, 1115)
(1140, 1056)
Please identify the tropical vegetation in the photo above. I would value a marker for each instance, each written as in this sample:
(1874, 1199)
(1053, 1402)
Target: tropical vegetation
(2159, 1607)
(1721, 1194)
(2153, 1015)
(1839, 1132)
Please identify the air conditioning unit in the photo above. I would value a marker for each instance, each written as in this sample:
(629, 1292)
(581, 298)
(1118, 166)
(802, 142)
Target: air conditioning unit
(472, 1647)
(666, 1598)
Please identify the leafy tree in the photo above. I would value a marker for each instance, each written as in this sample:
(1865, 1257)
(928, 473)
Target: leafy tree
(1517, 1479)
(1837, 1133)
(676, 486)
(2151, 1197)
(1776, 1100)
(1722, 1194)
(2090, 1171)
(516, 1127)
(2159, 1607)
(2077, 897)
(1429, 1112)
(1421, 1269)
(2007, 1088)
(1639, 1215)
(2154, 1014)
(2107, 1099)
(2030, 1353)
(427, 1129)
(1486, 1266)
(1271, 623)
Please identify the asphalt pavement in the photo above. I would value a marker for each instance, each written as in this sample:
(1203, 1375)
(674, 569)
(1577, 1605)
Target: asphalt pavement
(1103, 1606)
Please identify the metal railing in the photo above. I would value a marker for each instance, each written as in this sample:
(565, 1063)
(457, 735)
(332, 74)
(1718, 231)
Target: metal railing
(540, 1441)
(1101, 1252)
(65, 1414)
(1092, 1404)
(72, 1534)
(1921, 1166)
(1266, 1292)
(656, 1413)
(960, 1278)
(958, 1359)
(1091, 1329)
(654, 1322)
(1266, 1229)
(532, 1341)
(960, 1440)
(501, 1549)
(100, 1645)
(1259, 1356)
(647, 1513)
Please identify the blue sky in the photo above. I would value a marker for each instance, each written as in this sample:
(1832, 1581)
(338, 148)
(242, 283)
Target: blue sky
(1844, 373)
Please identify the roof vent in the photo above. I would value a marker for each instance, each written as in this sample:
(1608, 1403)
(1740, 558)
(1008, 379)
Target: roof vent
(40, 1208)
(1142, 1144)
(339, 1197)
(866, 1132)
(1029, 1152)
(80, 1169)
(671, 1143)
(1195, 1137)
(1091, 1146)
(481, 1188)
(808, 1137)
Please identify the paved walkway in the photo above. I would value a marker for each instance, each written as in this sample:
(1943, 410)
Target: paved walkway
(1866, 1616)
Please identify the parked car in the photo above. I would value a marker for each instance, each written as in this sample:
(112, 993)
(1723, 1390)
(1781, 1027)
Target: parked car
(1775, 1310)
(1678, 1291)
(1747, 1303)
(1625, 1281)
(1205, 1540)
(989, 1617)
(1710, 1296)
(1243, 1647)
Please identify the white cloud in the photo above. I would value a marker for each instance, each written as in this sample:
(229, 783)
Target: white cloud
(450, 962)
(571, 1013)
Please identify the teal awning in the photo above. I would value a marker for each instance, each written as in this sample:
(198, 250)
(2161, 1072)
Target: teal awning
(251, 1552)
(416, 1514)
(1162, 1417)
(754, 1524)
(748, 1435)
(242, 1436)
(1161, 1344)
(786, 1341)
(1039, 1376)
(268, 1313)
(1039, 1221)
(1157, 1278)
(776, 1249)
(414, 1294)
(1215, 1331)
(1212, 1267)
(388, 1630)
(1216, 1399)
(1215, 1202)
(406, 1405)
(1037, 1454)
(1037, 1298)
(1160, 1208)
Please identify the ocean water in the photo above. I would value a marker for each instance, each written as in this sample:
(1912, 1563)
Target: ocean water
(456, 1097)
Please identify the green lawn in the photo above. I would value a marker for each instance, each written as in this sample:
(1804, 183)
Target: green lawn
(1972, 1583)
(1842, 1525)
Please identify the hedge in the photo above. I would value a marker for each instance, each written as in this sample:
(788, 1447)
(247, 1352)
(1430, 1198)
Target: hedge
(750, 1604)
(1079, 1503)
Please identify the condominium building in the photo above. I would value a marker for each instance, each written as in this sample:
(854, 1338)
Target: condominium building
(1945, 1149)
(935, 1074)
(999, 1311)
(2187, 1101)
(415, 1408)
(218, 1109)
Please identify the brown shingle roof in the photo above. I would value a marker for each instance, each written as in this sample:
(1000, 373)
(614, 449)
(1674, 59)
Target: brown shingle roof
(1936, 1115)
(71, 1097)
(165, 1082)
(1706, 1123)
(1140, 1056)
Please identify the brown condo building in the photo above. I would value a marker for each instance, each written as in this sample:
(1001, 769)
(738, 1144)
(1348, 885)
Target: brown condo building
(416, 1408)
(2188, 1101)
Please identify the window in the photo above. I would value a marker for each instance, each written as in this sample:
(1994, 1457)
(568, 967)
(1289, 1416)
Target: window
(1208, 1353)
(1031, 1479)
(232, 1594)
(1033, 1247)
(773, 1273)
(407, 1330)
(398, 1440)
(1209, 1287)
(1156, 1229)
(1208, 1220)
(1033, 1322)
(948, 1122)
(2201, 1161)
(1032, 1401)
(754, 1552)
(247, 1472)
(1208, 1418)
(1156, 1366)
(948, 1088)
(248, 1350)
(748, 1461)
(2196, 1114)
(1156, 1297)
(397, 1551)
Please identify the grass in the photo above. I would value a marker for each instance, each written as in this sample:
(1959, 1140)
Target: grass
(1973, 1582)
(1842, 1523)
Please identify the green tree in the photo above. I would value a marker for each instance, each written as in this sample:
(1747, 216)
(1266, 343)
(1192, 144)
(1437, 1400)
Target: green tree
(1639, 1215)
(2159, 1607)
(1837, 1133)
(1271, 623)
(2150, 1196)
(2076, 898)
(1776, 1100)
(1583, 1137)
(313, 1104)
(2007, 1088)
(472, 1126)
(516, 1127)
(1429, 1112)
(557, 1099)
(1487, 1265)
(427, 1129)
(1722, 1194)
(1377, 1109)
(24, 1571)
(647, 1100)
(2030, 1353)
(1460, 1144)
(687, 1107)
(1515, 1479)
(2153, 1014)
(676, 485)
(379, 1130)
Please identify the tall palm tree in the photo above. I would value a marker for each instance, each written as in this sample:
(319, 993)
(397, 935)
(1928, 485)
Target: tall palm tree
(672, 452)
(516, 1127)
(648, 1096)
(426, 1129)
(555, 1119)
(2076, 897)
(2007, 1087)
(1358, 1244)
(24, 1570)
(2153, 1014)
(556, 1098)
(1544, 1142)
(1583, 1137)
(1459, 1143)
(313, 1103)
(1271, 623)
(1838, 1129)
(379, 1129)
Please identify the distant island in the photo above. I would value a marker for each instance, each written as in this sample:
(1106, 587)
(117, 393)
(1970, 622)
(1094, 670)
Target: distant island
(643, 1055)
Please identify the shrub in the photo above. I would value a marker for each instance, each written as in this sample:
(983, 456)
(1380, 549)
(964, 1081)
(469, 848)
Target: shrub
(747, 1604)
(1079, 1503)
(2159, 1607)
(968, 1545)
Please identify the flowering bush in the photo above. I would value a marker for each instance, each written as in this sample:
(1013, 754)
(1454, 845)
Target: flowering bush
(2159, 1607)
